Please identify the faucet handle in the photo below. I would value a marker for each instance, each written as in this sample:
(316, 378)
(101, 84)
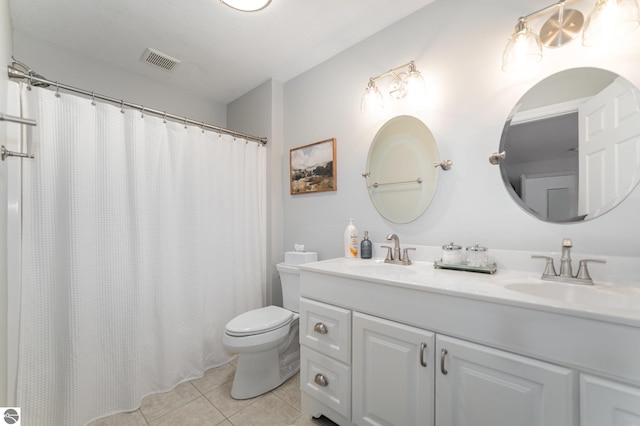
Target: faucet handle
(549, 268)
(583, 272)
(405, 256)
(389, 255)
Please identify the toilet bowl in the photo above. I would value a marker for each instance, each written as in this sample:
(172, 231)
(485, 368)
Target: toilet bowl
(266, 339)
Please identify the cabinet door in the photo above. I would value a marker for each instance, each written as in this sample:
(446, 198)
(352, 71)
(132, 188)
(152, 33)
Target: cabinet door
(477, 385)
(393, 368)
(607, 403)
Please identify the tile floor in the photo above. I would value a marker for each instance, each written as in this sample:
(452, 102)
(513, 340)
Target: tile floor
(207, 401)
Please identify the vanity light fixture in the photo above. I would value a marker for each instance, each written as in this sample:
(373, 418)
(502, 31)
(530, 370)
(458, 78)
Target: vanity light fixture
(609, 19)
(406, 81)
(246, 5)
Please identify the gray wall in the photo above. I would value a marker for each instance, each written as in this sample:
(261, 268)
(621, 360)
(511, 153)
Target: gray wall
(460, 54)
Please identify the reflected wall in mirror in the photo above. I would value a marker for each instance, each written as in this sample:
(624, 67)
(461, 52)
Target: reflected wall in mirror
(572, 145)
(401, 177)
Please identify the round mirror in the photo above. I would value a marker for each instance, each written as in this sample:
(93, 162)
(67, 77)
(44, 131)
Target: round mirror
(572, 145)
(401, 177)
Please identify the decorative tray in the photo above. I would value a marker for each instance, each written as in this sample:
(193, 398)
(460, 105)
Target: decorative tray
(489, 269)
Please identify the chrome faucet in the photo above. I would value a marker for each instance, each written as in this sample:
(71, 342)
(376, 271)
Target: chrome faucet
(393, 253)
(566, 271)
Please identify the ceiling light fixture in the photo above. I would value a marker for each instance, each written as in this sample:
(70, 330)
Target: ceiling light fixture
(246, 5)
(608, 20)
(407, 81)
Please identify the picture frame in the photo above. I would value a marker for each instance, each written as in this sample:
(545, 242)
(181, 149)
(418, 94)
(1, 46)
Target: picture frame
(312, 168)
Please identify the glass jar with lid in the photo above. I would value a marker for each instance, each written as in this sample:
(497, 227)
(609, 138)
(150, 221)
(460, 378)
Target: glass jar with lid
(477, 256)
(452, 254)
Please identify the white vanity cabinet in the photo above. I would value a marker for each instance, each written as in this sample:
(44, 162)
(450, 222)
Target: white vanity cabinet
(608, 403)
(393, 373)
(489, 360)
(484, 386)
(404, 375)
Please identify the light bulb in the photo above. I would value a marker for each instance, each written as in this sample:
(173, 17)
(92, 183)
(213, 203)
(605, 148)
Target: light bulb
(610, 20)
(415, 83)
(522, 50)
(371, 100)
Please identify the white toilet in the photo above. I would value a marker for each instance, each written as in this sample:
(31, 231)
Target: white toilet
(266, 339)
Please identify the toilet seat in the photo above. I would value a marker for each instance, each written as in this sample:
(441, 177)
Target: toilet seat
(258, 321)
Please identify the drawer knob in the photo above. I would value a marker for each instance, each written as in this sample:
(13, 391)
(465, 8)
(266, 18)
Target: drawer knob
(320, 328)
(321, 380)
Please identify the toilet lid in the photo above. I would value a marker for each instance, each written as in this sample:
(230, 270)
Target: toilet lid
(259, 321)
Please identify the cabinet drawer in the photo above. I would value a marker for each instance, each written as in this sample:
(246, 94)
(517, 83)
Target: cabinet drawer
(326, 380)
(326, 329)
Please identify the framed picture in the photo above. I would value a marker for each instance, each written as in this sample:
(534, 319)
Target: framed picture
(313, 168)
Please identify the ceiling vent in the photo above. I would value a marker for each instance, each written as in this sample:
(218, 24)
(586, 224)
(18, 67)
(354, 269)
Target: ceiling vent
(160, 60)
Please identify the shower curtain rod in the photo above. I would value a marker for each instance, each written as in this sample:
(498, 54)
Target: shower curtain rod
(30, 76)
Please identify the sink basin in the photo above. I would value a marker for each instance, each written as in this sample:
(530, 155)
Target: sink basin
(580, 294)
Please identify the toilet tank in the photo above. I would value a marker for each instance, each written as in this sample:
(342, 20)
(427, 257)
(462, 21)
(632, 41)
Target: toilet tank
(290, 277)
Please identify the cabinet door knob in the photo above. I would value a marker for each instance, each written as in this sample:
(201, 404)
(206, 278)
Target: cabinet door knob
(320, 328)
(443, 354)
(423, 350)
(321, 380)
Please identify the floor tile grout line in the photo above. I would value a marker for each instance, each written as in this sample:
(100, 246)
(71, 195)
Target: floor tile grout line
(179, 406)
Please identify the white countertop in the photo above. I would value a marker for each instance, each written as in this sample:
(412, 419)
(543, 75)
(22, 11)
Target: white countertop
(606, 302)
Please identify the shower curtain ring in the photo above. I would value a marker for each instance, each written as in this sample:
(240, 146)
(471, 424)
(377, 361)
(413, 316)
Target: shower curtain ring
(185, 122)
(142, 113)
(121, 106)
(164, 117)
(202, 127)
(57, 90)
(93, 99)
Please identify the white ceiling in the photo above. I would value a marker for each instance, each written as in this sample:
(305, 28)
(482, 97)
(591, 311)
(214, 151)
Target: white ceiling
(224, 53)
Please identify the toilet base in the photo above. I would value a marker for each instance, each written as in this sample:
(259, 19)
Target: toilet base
(260, 372)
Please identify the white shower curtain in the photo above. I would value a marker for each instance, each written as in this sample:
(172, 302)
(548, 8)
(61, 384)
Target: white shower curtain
(141, 239)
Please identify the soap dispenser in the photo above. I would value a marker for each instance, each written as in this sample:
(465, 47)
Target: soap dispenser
(366, 246)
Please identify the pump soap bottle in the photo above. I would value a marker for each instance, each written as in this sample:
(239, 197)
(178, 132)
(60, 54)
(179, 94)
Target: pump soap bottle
(351, 240)
(365, 246)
